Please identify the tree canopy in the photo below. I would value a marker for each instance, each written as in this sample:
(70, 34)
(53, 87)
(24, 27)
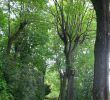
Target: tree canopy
(54, 49)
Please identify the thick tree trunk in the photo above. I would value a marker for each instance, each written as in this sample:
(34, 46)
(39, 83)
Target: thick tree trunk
(70, 74)
(100, 88)
(67, 86)
(67, 79)
(70, 86)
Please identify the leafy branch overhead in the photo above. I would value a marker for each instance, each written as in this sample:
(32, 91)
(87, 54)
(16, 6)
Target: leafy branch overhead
(48, 49)
(72, 26)
(25, 14)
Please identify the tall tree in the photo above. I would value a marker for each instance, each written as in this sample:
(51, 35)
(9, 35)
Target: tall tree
(23, 74)
(100, 85)
(72, 29)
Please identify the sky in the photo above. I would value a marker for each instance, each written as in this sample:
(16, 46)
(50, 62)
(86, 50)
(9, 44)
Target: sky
(50, 2)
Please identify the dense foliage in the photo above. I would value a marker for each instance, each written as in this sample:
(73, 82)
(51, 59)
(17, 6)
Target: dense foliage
(32, 49)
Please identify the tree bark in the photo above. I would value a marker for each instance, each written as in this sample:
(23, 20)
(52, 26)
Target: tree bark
(70, 74)
(100, 85)
(67, 77)
(67, 86)
(70, 86)
(62, 94)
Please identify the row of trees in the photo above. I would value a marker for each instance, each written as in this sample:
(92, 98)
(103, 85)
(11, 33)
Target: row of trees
(47, 48)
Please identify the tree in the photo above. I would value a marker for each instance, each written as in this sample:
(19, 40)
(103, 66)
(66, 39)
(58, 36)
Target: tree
(100, 85)
(72, 30)
(53, 43)
(83, 62)
(24, 62)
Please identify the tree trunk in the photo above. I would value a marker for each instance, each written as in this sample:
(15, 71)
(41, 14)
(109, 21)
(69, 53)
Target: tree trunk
(70, 74)
(100, 91)
(62, 94)
(67, 86)
(67, 79)
(70, 86)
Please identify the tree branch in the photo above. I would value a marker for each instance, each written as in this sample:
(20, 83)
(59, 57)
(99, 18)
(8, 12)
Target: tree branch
(14, 37)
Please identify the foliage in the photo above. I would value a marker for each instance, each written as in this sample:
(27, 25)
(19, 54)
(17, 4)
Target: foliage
(52, 79)
(32, 69)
